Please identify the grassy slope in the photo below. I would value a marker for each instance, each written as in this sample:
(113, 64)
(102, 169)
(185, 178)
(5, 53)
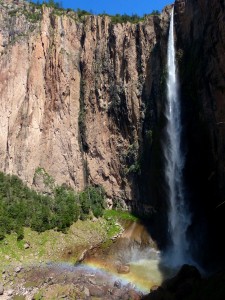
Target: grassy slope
(57, 246)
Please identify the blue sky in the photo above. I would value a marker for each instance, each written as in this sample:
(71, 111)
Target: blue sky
(129, 7)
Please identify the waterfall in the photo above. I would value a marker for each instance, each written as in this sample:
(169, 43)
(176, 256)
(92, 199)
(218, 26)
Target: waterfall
(178, 215)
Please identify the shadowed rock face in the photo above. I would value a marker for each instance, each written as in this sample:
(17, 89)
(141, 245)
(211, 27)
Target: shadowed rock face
(73, 96)
(201, 56)
(200, 45)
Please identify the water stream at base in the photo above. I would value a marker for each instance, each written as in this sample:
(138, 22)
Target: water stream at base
(136, 249)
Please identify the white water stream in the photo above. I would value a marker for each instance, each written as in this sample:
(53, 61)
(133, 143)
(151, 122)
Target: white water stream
(179, 217)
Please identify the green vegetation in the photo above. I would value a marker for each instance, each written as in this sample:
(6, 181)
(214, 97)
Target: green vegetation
(13, 12)
(53, 245)
(82, 12)
(135, 168)
(47, 179)
(38, 296)
(124, 18)
(33, 16)
(52, 3)
(118, 18)
(19, 297)
(134, 18)
(119, 215)
(49, 3)
(149, 136)
(22, 207)
(32, 13)
(132, 159)
(114, 220)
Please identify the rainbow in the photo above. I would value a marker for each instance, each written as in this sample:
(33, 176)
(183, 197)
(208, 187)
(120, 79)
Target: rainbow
(143, 274)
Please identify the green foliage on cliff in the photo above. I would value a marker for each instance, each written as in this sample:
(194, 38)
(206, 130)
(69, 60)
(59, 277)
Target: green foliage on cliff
(52, 3)
(21, 206)
(134, 18)
(132, 159)
(47, 179)
(49, 3)
(124, 18)
(33, 16)
(118, 18)
(32, 12)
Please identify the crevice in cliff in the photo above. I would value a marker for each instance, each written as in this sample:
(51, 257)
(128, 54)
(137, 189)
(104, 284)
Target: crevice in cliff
(6, 165)
(43, 46)
(82, 127)
(82, 118)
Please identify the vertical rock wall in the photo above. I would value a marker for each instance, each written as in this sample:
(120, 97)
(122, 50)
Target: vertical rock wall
(71, 96)
(201, 56)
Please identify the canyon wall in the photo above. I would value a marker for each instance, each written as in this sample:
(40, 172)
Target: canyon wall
(201, 57)
(71, 92)
(83, 98)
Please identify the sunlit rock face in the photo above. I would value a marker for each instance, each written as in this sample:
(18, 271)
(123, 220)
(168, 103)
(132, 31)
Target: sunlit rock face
(73, 96)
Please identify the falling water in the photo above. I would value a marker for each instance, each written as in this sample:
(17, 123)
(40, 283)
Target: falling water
(178, 216)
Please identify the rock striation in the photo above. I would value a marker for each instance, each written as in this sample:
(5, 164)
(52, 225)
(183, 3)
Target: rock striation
(73, 93)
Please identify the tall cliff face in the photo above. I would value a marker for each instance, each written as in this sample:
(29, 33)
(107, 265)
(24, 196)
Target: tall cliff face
(83, 98)
(201, 56)
(74, 94)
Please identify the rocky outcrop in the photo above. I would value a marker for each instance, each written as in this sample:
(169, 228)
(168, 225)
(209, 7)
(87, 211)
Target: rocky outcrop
(65, 281)
(73, 95)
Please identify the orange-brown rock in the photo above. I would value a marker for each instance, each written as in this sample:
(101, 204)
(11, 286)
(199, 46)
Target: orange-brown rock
(71, 94)
(123, 269)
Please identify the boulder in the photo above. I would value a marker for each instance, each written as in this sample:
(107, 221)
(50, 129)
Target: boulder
(117, 284)
(154, 288)
(18, 269)
(123, 269)
(10, 292)
(133, 295)
(96, 291)
(26, 246)
(86, 292)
